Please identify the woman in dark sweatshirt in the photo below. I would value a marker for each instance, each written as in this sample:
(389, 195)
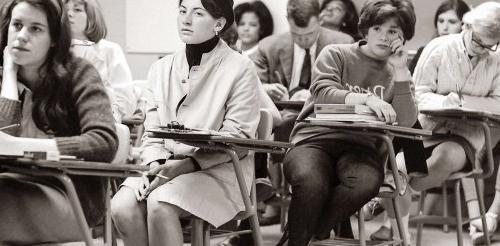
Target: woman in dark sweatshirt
(332, 173)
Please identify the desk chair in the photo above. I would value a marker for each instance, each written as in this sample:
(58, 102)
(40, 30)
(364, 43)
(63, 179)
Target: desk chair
(479, 171)
(384, 133)
(200, 232)
(61, 170)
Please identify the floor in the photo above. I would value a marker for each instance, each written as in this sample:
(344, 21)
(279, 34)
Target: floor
(432, 236)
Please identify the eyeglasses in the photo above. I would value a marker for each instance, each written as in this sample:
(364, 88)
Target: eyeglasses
(484, 46)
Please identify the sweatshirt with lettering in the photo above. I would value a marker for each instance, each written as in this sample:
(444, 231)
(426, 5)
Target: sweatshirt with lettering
(341, 69)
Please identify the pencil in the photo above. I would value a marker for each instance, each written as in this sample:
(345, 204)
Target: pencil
(162, 177)
(460, 95)
(9, 126)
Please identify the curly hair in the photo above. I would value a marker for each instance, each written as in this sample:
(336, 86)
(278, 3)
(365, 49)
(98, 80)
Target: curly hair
(376, 12)
(262, 12)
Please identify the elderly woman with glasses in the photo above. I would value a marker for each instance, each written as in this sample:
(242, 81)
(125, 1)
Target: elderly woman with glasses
(460, 70)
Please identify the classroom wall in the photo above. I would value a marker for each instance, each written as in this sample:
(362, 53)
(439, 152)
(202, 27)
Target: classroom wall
(115, 14)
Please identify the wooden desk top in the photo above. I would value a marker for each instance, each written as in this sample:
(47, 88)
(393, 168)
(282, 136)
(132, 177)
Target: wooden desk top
(73, 165)
(375, 127)
(462, 113)
(202, 136)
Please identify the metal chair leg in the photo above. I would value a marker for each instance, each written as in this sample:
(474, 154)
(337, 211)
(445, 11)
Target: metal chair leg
(254, 221)
(77, 208)
(361, 227)
(445, 204)
(197, 237)
(482, 211)
(107, 219)
(420, 226)
(397, 213)
(458, 206)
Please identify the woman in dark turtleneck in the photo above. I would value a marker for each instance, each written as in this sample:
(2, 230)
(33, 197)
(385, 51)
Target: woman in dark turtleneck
(206, 85)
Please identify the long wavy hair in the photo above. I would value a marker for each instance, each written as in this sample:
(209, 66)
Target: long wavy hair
(52, 99)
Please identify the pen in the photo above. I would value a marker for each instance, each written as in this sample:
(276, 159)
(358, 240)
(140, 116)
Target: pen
(9, 126)
(460, 95)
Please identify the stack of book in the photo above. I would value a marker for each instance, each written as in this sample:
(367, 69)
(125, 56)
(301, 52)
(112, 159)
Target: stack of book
(345, 112)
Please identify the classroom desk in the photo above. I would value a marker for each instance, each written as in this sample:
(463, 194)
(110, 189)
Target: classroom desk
(485, 120)
(62, 169)
(385, 133)
(229, 145)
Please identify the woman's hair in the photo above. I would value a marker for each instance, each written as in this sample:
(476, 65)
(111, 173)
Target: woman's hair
(52, 93)
(376, 12)
(485, 18)
(262, 12)
(351, 17)
(218, 9)
(301, 11)
(459, 6)
(96, 25)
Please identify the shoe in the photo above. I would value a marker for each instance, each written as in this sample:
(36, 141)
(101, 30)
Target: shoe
(372, 208)
(271, 220)
(264, 189)
(383, 233)
(391, 184)
(230, 241)
(476, 228)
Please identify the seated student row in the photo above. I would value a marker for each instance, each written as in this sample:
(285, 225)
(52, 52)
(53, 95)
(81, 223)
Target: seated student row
(208, 43)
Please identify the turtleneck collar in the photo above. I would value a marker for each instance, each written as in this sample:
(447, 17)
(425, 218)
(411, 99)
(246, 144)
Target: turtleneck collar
(195, 51)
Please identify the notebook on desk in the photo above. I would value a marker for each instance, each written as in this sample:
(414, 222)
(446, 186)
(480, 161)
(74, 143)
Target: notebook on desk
(33, 148)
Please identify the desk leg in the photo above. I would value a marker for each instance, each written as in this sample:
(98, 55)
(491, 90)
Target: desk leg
(254, 222)
(489, 156)
(77, 208)
(394, 167)
(108, 229)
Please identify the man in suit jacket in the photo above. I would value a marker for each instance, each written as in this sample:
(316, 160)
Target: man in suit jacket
(280, 58)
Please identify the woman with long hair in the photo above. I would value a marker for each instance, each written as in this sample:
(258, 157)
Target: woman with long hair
(60, 100)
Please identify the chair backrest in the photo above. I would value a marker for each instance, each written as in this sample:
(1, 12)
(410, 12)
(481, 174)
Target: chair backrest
(265, 128)
(123, 144)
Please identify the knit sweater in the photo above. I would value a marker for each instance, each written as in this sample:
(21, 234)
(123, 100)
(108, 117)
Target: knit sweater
(342, 69)
(95, 138)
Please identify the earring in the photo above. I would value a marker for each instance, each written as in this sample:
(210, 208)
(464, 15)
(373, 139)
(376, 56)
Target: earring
(216, 33)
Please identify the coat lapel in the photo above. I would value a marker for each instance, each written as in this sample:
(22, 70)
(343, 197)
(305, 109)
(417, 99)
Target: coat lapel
(286, 60)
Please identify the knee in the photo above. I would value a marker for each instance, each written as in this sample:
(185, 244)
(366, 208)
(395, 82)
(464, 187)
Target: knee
(161, 212)
(364, 183)
(449, 159)
(298, 173)
(125, 210)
